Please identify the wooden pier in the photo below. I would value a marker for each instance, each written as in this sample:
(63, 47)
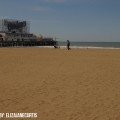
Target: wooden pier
(27, 43)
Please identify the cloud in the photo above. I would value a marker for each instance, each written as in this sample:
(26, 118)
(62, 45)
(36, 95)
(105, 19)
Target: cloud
(45, 21)
(56, 1)
(40, 9)
(4, 17)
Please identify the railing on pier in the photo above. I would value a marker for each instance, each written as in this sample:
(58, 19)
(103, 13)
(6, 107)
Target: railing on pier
(27, 43)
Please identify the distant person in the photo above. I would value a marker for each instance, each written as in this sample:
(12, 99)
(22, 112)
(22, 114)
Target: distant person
(68, 44)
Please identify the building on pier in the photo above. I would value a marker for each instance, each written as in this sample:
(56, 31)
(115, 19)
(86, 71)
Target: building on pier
(18, 31)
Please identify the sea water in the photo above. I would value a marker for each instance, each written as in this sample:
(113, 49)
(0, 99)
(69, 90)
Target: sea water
(91, 44)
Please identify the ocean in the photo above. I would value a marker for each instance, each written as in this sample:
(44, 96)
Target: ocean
(91, 44)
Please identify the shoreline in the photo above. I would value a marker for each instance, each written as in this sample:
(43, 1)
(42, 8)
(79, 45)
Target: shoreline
(63, 47)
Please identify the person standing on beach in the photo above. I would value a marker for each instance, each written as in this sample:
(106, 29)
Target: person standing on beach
(68, 44)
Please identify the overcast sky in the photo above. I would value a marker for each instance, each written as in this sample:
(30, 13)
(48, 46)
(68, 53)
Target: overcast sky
(76, 20)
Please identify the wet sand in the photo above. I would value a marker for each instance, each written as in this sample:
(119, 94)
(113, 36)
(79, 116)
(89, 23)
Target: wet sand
(57, 84)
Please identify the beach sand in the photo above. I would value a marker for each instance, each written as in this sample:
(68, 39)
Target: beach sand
(57, 84)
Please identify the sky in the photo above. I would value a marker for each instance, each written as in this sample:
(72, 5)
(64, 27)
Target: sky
(76, 20)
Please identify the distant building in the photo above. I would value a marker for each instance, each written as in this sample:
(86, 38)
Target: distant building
(17, 32)
(14, 26)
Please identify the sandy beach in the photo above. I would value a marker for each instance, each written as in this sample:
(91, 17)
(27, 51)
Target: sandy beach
(57, 84)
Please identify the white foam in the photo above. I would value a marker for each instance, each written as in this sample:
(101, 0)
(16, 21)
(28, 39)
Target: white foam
(64, 47)
(86, 47)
